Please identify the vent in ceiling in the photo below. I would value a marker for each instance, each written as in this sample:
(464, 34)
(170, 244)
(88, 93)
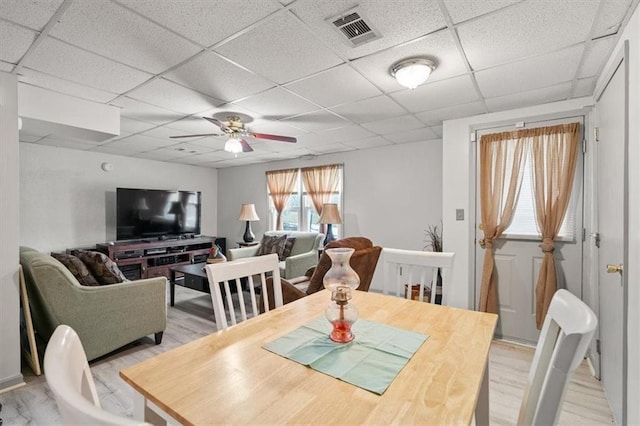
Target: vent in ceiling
(353, 25)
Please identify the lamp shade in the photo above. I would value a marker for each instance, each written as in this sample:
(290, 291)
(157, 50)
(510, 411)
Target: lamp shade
(248, 213)
(233, 145)
(176, 208)
(330, 214)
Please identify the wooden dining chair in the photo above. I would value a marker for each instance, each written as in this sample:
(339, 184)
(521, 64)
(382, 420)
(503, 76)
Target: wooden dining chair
(69, 378)
(564, 339)
(227, 276)
(406, 268)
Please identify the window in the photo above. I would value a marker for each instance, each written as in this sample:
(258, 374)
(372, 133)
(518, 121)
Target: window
(300, 214)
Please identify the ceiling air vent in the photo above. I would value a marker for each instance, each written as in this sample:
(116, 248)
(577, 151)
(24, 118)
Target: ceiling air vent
(354, 27)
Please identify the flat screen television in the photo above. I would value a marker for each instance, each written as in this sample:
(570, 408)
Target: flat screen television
(151, 213)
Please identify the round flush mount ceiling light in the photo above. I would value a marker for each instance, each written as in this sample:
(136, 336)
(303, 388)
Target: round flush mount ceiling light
(233, 145)
(412, 72)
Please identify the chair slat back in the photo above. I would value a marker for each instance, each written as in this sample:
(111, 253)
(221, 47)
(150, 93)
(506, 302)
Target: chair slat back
(226, 278)
(566, 333)
(411, 267)
(70, 379)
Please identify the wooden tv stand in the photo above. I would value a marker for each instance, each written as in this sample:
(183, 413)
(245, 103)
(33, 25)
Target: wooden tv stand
(153, 258)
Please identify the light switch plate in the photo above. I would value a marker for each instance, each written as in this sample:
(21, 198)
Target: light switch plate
(459, 214)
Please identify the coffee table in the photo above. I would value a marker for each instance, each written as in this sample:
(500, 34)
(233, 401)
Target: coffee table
(195, 278)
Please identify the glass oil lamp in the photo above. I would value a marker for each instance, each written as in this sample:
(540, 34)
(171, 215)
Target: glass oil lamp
(341, 314)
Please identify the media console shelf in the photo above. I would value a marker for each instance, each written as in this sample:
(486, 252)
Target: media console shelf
(148, 259)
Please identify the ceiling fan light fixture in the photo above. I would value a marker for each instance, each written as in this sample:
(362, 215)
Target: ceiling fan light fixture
(412, 72)
(233, 145)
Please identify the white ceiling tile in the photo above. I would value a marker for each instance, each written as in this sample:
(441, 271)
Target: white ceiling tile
(335, 86)
(533, 97)
(397, 22)
(516, 32)
(316, 121)
(584, 87)
(14, 41)
(163, 133)
(203, 21)
(368, 142)
(34, 14)
(70, 63)
(396, 124)
(280, 49)
(347, 133)
(338, 147)
(65, 143)
(134, 126)
(142, 111)
(596, 56)
(194, 149)
(219, 78)
(464, 10)
(171, 96)
(439, 47)
(6, 66)
(610, 16)
(437, 130)
(204, 158)
(60, 85)
(116, 148)
(276, 102)
(193, 125)
(372, 109)
(436, 116)
(416, 135)
(209, 143)
(162, 154)
(525, 75)
(141, 143)
(440, 94)
(117, 33)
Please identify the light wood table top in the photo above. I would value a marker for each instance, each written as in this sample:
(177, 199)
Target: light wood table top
(227, 377)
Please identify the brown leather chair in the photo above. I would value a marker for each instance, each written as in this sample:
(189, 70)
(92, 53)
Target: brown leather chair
(363, 261)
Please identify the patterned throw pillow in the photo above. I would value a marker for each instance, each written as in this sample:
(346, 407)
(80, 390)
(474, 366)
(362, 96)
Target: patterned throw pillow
(287, 249)
(272, 244)
(77, 268)
(103, 268)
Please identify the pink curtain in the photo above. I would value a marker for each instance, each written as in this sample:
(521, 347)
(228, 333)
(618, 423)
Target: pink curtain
(320, 183)
(281, 184)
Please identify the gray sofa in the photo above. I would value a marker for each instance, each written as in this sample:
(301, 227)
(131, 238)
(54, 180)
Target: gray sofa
(304, 253)
(105, 317)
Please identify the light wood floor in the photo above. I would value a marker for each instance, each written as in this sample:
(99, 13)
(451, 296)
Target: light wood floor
(192, 317)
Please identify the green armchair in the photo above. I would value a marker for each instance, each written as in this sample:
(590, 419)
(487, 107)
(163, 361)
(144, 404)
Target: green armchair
(105, 317)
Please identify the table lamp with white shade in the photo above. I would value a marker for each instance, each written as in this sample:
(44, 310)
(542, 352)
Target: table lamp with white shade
(330, 215)
(248, 213)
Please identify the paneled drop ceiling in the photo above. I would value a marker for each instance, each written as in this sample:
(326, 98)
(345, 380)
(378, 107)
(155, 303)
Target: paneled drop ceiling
(281, 64)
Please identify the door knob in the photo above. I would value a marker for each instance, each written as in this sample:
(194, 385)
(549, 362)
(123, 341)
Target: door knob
(612, 269)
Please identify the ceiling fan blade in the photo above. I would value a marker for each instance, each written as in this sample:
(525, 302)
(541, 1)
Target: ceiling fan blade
(272, 137)
(196, 136)
(218, 123)
(245, 146)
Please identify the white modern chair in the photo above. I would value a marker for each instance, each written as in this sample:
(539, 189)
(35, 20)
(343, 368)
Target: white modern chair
(565, 337)
(69, 377)
(220, 274)
(410, 267)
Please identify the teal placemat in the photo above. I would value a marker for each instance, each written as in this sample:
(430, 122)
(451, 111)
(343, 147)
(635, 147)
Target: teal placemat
(371, 361)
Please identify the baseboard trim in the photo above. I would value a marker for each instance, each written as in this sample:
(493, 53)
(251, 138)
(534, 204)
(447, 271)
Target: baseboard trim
(12, 383)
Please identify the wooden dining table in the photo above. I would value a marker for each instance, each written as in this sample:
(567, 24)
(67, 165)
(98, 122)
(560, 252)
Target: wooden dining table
(228, 377)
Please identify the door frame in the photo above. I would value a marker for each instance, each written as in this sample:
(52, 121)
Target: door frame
(621, 59)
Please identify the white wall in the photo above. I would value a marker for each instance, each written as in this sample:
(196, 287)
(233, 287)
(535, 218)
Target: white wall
(9, 295)
(631, 267)
(391, 194)
(67, 200)
(459, 185)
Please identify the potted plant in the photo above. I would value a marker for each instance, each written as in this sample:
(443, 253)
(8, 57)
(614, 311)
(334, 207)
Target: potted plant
(433, 238)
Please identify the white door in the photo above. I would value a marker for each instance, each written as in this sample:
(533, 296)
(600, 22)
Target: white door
(612, 123)
(518, 256)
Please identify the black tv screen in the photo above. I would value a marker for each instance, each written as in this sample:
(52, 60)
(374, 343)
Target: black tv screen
(148, 213)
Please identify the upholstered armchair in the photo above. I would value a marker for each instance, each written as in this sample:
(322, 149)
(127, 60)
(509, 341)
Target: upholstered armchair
(363, 260)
